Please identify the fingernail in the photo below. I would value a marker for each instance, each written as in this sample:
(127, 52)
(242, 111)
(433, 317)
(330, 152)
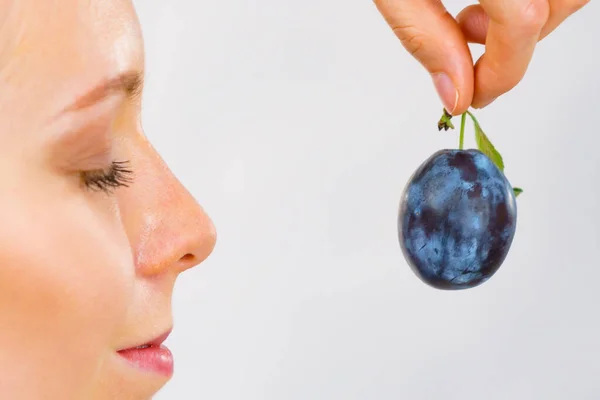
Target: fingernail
(446, 90)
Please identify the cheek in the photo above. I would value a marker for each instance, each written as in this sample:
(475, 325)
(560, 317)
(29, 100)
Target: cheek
(66, 279)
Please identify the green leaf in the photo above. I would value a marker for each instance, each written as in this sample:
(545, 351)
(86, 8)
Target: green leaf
(445, 122)
(517, 191)
(485, 145)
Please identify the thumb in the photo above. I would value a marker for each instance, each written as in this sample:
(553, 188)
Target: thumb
(433, 37)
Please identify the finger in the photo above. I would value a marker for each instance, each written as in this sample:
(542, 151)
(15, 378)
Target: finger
(434, 38)
(560, 10)
(473, 22)
(513, 31)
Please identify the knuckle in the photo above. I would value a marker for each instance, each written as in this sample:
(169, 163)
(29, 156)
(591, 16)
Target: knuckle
(533, 14)
(499, 80)
(410, 37)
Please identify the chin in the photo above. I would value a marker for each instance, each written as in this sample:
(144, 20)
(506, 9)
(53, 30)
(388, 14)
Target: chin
(121, 380)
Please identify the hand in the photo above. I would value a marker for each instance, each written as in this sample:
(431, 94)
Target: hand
(510, 30)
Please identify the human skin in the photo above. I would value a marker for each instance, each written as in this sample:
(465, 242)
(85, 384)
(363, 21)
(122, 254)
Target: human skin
(509, 29)
(83, 273)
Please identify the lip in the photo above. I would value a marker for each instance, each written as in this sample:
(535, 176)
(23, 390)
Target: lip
(151, 356)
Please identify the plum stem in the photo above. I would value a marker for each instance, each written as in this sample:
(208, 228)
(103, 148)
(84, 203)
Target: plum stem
(461, 139)
(483, 142)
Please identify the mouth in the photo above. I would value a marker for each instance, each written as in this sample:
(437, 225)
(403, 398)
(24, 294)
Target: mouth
(151, 356)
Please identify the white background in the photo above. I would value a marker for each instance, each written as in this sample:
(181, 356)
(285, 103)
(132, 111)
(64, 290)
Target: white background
(297, 125)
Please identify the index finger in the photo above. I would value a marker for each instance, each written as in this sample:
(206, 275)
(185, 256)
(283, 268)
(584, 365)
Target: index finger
(514, 30)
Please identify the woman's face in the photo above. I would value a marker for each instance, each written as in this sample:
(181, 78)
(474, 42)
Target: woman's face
(87, 265)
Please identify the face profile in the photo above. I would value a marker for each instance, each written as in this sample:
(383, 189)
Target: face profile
(95, 228)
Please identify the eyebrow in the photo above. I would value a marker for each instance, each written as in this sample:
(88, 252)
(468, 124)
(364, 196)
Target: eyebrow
(130, 83)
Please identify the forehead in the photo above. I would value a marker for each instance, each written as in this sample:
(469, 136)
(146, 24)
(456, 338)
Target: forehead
(52, 50)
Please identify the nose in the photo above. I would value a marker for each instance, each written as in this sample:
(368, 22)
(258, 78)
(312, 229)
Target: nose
(168, 230)
(177, 234)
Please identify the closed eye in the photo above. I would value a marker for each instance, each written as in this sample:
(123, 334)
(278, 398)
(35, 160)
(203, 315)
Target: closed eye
(117, 175)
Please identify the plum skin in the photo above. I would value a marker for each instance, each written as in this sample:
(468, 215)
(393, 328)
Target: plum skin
(457, 219)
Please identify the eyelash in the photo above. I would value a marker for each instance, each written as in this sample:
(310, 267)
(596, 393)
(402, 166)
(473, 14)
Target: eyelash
(108, 180)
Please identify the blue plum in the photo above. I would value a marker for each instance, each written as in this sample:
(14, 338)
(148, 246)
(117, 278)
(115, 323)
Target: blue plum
(457, 219)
